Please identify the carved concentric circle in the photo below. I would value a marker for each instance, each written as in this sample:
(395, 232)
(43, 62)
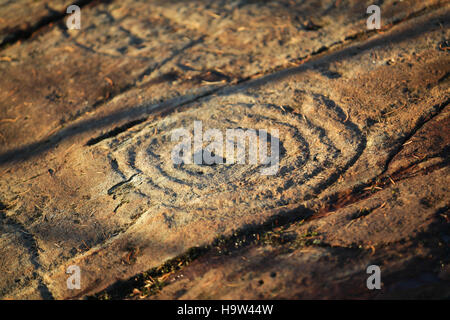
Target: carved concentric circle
(310, 156)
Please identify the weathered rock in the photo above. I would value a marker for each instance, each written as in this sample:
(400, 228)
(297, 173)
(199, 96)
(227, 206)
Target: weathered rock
(325, 258)
(22, 17)
(162, 50)
(104, 194)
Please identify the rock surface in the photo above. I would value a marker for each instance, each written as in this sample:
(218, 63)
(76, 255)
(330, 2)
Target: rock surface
(87, 179)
